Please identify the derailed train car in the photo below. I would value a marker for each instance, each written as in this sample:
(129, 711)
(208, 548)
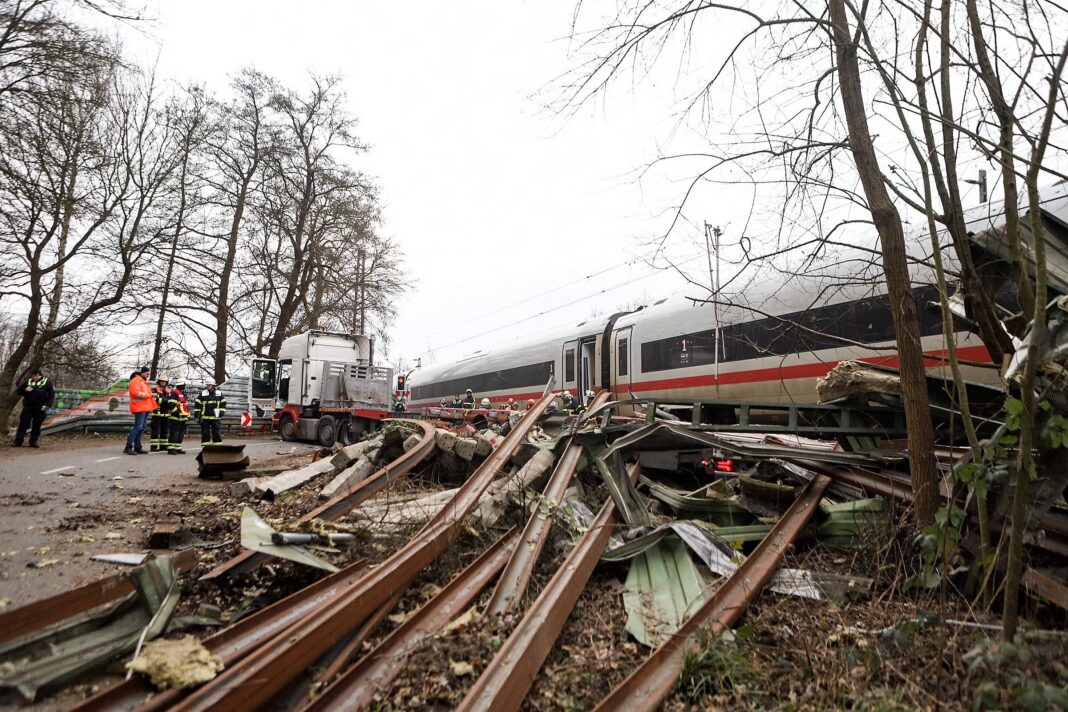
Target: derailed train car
(762, 347)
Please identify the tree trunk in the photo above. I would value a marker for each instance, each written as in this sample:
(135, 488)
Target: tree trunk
(179, 223)
(222, 307)
(64, 233)
(887, 221)
(1025, 467)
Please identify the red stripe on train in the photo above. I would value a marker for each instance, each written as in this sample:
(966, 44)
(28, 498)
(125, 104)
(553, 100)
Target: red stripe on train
(784, 373)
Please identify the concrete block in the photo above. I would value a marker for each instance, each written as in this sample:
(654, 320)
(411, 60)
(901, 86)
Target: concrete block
(445, 440)
(351, 453)
(483, 445)
(349, 478)
(465, 448)
(412, 441)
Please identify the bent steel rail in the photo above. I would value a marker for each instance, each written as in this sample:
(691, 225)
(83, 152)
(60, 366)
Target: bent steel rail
(255, 680)
(517, 572)
(505, 681)
(343, 503)
(651, 682)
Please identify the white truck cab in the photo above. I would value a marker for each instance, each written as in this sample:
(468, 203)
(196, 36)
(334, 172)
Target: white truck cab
(323, 387)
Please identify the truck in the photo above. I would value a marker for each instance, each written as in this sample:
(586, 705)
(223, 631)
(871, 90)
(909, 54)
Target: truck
(324, 387)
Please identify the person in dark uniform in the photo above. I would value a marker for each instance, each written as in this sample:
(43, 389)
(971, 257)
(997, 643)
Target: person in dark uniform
(177, 410)
(469, 400)
(37, 396)
(160, 422)
(209, 408)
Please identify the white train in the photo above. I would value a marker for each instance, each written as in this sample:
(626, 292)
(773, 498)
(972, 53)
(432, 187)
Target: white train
(676, 349)
(766, 343)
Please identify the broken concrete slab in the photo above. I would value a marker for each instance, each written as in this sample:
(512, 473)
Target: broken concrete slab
(351, 453)
(269, 486)
(349, 478)
(411, 441)
(483, 445)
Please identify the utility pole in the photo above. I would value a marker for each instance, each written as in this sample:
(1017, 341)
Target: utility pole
(712, 235)
(981, 182)
(362, 287)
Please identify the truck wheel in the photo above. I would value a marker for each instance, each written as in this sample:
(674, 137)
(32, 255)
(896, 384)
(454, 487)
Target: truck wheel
(327, 433)
(351, 430)
(287, 428)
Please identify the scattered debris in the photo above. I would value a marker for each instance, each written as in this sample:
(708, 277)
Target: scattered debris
(89, 641)
(258, 536)
(121, 559)
(221, 461)
(176, 664)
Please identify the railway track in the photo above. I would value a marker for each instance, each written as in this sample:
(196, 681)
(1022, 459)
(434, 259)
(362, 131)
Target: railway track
(325, 625)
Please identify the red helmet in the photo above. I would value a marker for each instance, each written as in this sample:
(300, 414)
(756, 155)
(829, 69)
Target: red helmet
(530, 402)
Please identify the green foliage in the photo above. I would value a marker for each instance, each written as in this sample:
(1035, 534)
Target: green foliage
(719, 665)
(1024, 692)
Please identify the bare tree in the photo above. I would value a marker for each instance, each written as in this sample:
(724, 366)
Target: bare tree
(121, 179)
(805, 100)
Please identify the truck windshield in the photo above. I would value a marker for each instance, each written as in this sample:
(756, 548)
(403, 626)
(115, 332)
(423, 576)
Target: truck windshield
(263, 378)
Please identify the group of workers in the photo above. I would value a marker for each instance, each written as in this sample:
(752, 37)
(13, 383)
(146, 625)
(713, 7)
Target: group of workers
(169, 410)
(468, 402)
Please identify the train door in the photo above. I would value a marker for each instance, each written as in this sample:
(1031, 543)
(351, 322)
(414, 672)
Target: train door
(587, 361)
(569, 372)
(623, 365)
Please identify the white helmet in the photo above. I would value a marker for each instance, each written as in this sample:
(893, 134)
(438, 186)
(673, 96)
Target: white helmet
(485, 403)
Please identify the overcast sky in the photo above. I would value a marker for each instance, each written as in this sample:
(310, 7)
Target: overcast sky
(492, 196)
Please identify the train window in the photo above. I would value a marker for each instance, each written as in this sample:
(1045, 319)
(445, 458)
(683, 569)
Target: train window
(569, 365)
(536, 374)
(864, 320)
(621, 348)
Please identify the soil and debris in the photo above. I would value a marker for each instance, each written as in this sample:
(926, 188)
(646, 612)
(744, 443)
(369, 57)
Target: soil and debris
(176, 664)
(879, 645)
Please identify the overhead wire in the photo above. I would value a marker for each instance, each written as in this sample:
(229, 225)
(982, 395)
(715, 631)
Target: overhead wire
(554, 309)
(531, 298)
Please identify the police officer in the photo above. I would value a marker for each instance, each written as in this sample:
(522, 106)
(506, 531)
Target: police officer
(209, 408)
(160, 422)
(178, 413)
(469, 400)
(37, 396)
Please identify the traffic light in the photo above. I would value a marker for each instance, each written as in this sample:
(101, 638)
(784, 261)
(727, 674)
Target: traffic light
(400, 384)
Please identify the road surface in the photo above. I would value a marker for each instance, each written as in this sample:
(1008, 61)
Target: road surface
(80, 496)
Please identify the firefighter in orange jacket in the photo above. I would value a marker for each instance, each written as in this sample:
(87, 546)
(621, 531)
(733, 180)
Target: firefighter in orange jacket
(141, 404)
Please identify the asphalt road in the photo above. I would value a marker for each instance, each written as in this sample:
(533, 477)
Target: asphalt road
(77, 497)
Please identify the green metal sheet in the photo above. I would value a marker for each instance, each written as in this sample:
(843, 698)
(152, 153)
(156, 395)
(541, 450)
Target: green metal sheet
(62, 653)
(663, 589)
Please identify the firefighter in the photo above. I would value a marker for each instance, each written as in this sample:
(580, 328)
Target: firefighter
(569, 403)
(456, 402)
(485, 404)
(469, 400)
(510, 405)
(37, 396)
(160, 422)
(178, 413)
(209, 408)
